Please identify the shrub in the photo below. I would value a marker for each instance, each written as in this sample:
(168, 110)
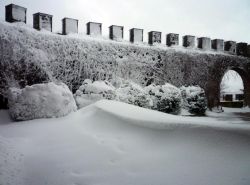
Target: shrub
(166, 98)
(90, 92)
(194, 99)
(134, 94)
(40, 101)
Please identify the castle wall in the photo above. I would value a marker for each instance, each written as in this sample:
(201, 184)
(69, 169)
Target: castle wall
(28, 56)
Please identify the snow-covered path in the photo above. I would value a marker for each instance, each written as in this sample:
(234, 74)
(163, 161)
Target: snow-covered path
(111, 143)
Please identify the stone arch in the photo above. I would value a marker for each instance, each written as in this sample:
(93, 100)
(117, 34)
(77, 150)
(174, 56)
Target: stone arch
(213, 85)
(245, 76)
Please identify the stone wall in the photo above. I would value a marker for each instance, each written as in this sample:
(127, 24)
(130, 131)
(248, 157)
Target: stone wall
(28, 56)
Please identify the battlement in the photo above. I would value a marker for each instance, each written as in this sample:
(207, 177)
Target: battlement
(69, 25)
(16, 13)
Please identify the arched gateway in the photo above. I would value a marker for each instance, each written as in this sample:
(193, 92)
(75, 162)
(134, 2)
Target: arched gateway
(213, 88)
(207, 71)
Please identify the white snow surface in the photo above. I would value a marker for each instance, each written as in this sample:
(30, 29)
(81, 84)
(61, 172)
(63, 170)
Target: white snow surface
(41, 101)
(113, 143)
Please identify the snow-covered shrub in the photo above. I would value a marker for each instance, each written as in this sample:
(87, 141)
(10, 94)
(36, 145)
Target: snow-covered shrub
(41, 101)
(90, 92)
(134, 94)
(166, 98)
(194, 99)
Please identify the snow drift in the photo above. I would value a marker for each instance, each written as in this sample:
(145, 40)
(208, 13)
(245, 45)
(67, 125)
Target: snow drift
(112, 143)
(41, 101)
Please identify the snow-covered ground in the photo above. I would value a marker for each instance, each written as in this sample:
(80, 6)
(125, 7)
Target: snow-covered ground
(112, 143)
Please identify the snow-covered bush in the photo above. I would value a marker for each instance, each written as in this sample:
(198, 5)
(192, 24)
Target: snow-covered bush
(166, 98)
(134, 94)
(90, 92)
(41, 101)
(194, 99)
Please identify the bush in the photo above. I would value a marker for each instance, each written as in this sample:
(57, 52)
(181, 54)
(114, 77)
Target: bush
(90, 92)
(166, 98)
(194, 99)
(40, 101)
(131, 93)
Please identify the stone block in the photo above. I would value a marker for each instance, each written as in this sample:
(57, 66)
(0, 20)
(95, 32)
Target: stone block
(218, 44)
(15, 13)
(154, 37)
(204, 43)
(69, 25)
(172, 39)
(189, 41)
(136, 35)
(94, 28)
(230, 47)
(42, 21)
(241, 49)
(116, 32)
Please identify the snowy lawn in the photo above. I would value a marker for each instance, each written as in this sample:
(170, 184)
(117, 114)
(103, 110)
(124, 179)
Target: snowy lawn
(112, 143)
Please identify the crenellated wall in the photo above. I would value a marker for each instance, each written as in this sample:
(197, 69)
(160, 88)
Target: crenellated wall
(28, 56)
(16, 13)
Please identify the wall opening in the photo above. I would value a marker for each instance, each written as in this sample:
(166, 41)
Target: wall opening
(232, 90)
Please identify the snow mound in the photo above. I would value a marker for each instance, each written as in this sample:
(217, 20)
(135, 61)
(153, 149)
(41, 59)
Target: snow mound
(90, 92)
(41, 101)
(158, 120)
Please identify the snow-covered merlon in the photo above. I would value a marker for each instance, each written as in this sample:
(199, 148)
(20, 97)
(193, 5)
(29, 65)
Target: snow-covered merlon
(29, 56)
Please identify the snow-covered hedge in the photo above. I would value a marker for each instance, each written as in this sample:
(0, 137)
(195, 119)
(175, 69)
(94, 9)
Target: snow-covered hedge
(41, 101)
(194, 99)
(90, 92)
(134, 94)
(166, 98)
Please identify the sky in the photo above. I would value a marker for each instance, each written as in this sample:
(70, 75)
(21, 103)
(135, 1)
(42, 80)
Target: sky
(224, 19)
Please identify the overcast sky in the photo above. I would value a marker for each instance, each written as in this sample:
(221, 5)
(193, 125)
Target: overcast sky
(226, 19)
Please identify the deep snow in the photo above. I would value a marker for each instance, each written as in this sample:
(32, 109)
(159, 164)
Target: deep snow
(112, 143)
